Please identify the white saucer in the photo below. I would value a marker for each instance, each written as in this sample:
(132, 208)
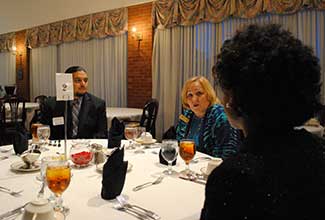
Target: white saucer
(20, 166)
(140, 141)
(57, 216)
(99, 167)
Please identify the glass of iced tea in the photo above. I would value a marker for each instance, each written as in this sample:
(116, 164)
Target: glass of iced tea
(130, 133)
(58, 175)
(33, 130)
(187, 153)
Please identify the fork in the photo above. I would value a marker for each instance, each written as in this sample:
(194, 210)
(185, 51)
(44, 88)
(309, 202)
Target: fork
(121, 207)
(149, 213)
(11, 192)
(158, 180)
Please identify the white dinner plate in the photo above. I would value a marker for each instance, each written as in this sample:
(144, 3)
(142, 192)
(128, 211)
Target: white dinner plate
(20, 166)
(140, 141)
(99, 167)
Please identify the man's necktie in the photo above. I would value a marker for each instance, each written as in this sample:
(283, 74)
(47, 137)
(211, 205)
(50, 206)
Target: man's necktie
(75, 120)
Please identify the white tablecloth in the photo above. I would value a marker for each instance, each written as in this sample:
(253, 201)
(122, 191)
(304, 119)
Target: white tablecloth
(172, 199)
(133, 114)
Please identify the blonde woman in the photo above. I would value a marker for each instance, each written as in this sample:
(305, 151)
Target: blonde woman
(205, 121)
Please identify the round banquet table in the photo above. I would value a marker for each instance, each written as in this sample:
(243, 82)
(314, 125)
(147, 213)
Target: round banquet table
(172, 199)
(133, 114)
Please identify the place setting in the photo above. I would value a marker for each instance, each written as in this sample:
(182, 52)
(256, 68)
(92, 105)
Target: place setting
(28, 163)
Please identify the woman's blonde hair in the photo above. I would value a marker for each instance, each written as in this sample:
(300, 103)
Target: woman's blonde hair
(207, 87)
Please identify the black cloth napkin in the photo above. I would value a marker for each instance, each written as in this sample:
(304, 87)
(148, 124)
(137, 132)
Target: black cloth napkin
(114, 172)
(20, 140)
(116, 133)
(163, 161)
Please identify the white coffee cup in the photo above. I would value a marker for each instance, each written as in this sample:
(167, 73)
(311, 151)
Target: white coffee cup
(212, 164)
(39, 209)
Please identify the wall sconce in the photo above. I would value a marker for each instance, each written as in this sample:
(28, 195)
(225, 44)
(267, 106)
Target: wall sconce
(136, 35)
(14, 50)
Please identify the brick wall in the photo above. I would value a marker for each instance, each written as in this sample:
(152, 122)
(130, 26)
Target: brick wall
(22, 66)
(139, 55)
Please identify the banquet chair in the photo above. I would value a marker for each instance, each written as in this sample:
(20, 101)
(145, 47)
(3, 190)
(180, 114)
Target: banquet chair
(149, 116)
(10, 90)
(14, 115)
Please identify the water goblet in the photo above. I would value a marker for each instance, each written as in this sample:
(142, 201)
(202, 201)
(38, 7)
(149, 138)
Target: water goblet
(43, 133)
(42, 176)
(130, 133)
(58, 176)
(187, 152)
(33, 130)
(141, 130)
(169, 151)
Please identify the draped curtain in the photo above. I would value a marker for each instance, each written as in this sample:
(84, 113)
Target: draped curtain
(7, 59)
(7, 68)
(104, 59)
(181, 52)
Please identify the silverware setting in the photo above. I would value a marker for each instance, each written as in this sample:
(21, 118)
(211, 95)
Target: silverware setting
(135, 210)
(16, 211)
(198, 159)
(144, 185)
(195, 177)
(11, 192)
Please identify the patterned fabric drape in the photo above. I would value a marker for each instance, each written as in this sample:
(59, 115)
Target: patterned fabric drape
(6, 42)
(99, 25)
(169, 13)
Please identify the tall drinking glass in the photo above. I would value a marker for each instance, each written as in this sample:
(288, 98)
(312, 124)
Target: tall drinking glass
(169, 151)
(33, 130)
(43, 133)
(187, 152)
(58, 175)
(141, 130)
(130, 133)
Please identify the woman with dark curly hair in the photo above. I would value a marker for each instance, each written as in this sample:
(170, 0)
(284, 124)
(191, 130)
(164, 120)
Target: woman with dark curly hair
(269, 82)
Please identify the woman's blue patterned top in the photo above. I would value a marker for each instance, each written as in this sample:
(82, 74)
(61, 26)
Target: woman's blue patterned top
(217, 138)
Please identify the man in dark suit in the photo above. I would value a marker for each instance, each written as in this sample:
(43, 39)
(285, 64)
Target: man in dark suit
(86, 113)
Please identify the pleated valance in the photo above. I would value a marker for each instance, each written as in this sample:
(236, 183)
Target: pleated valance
(6, 42)
(98, 25)
(169, 13)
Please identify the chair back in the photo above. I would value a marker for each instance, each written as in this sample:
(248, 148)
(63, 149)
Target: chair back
(14, 111)
(149, 116)
(10, 90)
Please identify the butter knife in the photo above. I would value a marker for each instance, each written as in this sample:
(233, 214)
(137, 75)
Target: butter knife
(15, 211)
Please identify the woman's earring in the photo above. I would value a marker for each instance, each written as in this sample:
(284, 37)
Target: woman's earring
(228, 105)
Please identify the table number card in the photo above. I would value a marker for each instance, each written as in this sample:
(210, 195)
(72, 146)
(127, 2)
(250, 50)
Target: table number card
(64, 87)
